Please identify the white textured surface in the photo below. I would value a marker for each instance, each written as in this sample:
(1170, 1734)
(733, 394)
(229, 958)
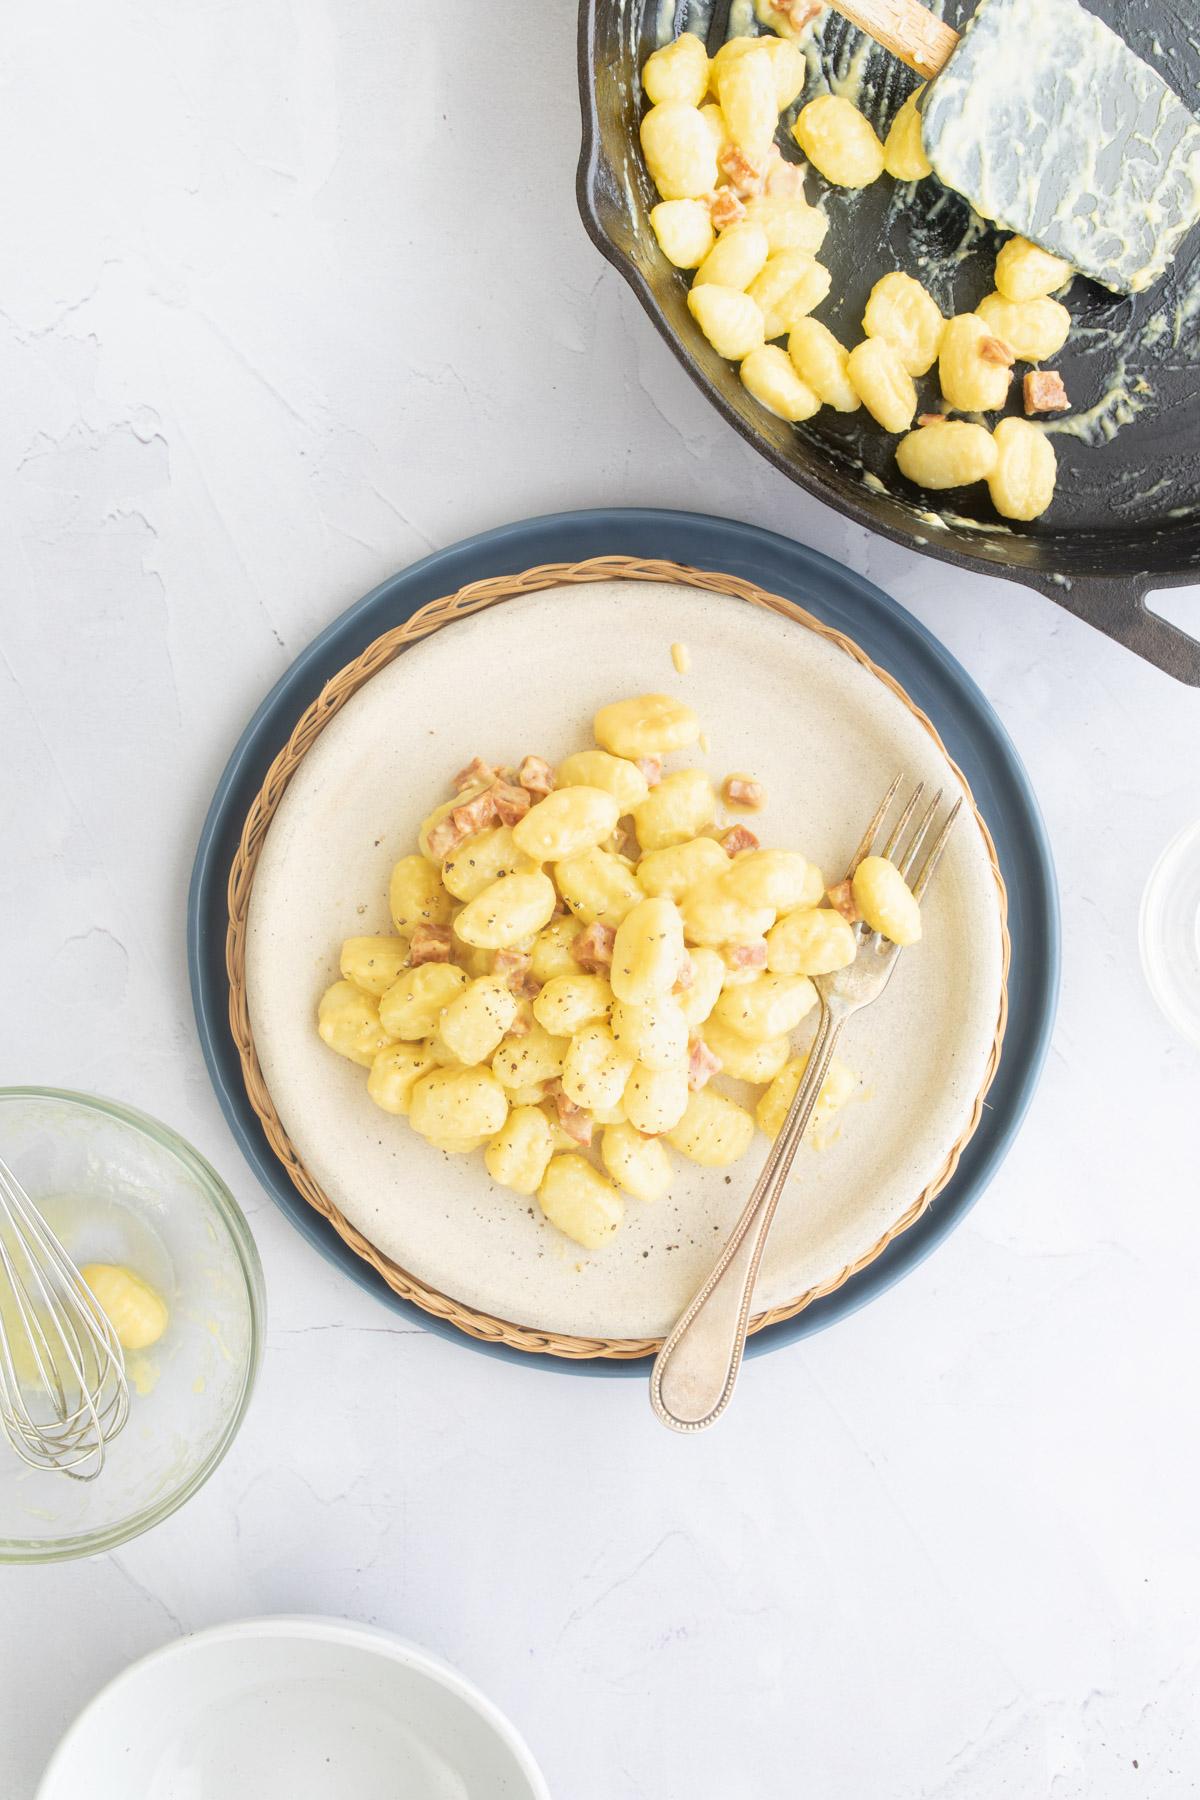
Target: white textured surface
(248, 367)
(825, 736)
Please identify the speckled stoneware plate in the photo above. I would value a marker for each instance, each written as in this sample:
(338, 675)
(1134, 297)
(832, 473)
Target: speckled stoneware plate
(827, 734)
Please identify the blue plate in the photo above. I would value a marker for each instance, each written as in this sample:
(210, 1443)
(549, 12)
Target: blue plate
(970, 729)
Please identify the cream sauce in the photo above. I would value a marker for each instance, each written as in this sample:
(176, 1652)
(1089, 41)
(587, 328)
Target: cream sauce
(1124, 397)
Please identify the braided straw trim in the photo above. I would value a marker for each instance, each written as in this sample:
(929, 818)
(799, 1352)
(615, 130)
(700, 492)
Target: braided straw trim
(438, 613)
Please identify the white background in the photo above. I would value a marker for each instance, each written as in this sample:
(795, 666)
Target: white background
(291, 294)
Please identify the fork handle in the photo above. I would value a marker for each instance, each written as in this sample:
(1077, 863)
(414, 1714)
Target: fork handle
(695, 1371)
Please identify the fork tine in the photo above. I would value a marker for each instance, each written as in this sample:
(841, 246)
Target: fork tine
(868, 838)
(935, 855)
(902, 822)
(918, 836)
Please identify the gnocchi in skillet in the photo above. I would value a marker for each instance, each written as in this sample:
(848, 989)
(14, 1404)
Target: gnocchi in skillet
(735, 214)
(580, 953)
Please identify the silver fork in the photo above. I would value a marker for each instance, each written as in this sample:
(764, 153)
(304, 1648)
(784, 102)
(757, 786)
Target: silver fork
(695, 1371)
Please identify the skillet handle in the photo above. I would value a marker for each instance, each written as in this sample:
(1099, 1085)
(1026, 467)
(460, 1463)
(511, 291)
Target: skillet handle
(1116, 605)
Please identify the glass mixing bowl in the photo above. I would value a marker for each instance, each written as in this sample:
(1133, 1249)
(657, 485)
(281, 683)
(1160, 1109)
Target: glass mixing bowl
(119, 1187)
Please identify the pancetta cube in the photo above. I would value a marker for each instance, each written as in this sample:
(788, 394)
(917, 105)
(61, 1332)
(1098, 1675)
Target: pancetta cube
(1045, 392)
(593, 948)
(430, 944)
(536, 776)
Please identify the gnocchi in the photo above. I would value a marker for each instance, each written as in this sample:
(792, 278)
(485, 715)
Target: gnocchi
(839, 141)
(902, 311)
(788, 65)
(569, 1002)
(475, 1020)
(707, 971)
(551, 954)
(648, 951)
(679, 150)
(349, 1021)
(782, 879)
(732, 322)
(884, 899)
(1022, 479)
(713, 915)
(651, 725)
(948, 455)
(810, 941)
(394, 1073)
(568, 820)
(617, 775)
(638, 1164)
(684, 230)
(595, 1068)
(773, 1108)
(653, 1032)
(789, 222)
(534, 1056)
(655, 1099)
(904, 155)
(791, 285)
(675, 811)
(580, 1201)
(774, 383)
(507, 911)
(567, 1008)
(678, 867)
(1033, 329)
(517, 1156)
(480, 859)
(597, 885)
(883, 384)
(678, 72)
(771, 1006)
(736, 257)
(974, 365)
(416, 895)
(821, 363)
(413, 1006)
(373, 963)
(457, 1103)
(713, 1131)
(742, 1058)
(1026, 272)
(747, 98)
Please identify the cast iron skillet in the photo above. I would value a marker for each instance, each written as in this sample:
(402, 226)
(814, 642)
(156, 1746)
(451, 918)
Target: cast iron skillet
(1126, 516)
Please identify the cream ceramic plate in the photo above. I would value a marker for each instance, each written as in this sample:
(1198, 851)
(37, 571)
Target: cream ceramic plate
(775, 698)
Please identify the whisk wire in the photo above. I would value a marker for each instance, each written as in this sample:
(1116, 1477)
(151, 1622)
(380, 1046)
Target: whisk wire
(74, 1399)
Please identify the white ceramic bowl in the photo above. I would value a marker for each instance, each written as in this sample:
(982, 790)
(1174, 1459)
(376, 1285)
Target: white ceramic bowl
(1169, 932)
(118, 1187)
(293, 1708)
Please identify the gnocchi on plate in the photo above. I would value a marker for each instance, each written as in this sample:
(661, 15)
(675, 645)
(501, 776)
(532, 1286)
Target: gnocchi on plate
(583, 955)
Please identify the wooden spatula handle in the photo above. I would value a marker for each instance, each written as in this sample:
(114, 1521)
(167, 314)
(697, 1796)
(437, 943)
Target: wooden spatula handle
(906, 28)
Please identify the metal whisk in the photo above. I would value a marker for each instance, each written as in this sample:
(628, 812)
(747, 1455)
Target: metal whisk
(63, 1392)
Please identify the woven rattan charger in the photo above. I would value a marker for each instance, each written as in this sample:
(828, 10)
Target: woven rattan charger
(342, 687)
